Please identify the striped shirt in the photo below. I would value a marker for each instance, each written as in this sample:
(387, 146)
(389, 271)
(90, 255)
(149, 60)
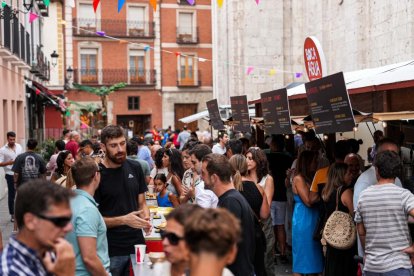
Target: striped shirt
(383, 209)
(19, 260)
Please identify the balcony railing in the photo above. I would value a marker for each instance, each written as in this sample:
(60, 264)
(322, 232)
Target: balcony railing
(187, 35)
(14, 37)
(112, 27)
(189, 79)
(111, 76)
(41, 66)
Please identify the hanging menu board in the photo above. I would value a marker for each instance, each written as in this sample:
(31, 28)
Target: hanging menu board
(214, 114)
(329, 104)
(240, 113)
(275, 109)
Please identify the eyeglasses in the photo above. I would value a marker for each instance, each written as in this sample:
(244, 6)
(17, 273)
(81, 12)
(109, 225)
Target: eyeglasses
(57, 221)
(172, 238)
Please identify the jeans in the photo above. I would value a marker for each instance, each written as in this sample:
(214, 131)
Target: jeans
(396, 272)
(11, 193)
(119, 265)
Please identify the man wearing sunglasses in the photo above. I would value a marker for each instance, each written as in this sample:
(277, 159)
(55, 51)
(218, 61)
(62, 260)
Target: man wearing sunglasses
(88, 237)
(43, 216)
(121, 200)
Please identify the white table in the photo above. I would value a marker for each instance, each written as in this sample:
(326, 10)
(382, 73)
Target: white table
(143, 269)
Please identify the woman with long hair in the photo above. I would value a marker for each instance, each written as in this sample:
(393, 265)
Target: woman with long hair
(159, 167)
(258, 172)
(257, 200)
(339, 262)
(64, 162)
(173, 161)
(306, 252)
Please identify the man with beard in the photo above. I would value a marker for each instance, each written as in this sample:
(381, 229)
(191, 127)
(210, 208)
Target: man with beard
(121, 200)
(43, 215)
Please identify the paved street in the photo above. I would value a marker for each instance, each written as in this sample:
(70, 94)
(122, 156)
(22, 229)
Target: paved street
(6, 227)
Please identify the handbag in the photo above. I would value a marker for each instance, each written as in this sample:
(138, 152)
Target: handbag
(339, 231)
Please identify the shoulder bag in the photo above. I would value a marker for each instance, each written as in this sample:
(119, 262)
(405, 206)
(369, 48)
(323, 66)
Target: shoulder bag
(339, 231)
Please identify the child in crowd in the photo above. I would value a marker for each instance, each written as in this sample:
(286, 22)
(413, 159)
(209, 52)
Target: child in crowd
(164, 197)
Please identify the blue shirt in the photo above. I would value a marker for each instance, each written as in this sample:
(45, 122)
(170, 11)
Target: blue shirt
(19, 260)
(145, 154)
(87, 222)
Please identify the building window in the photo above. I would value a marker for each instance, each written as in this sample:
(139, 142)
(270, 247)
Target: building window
(88, 71)
(136, 21)
(137, 72)
(87, 19)
(186, 29)
(187, 72)
(133, 103)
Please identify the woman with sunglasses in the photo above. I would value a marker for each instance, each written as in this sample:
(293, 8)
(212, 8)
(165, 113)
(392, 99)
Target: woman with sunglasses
(64, 162)
(173, 161)
(257, 200)
(175, 249)
(258, 172)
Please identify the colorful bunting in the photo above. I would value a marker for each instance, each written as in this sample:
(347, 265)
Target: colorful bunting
(147, 48)
(32, 17)
(37, 91)
(95, 5)
(100, 33)
(191, 2)
(272, 72)
(120, 5)
(298, 75)
(47, 2)
(249, 70)
(257, 2)
(122, 41)
(153, 3)
(3, 4)
(67, 114)
(177, 54)
(220, 3)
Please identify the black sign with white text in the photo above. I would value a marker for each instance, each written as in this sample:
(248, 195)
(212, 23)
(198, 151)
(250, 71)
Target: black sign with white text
(275, 109)
(214, 114)
(240, 113)
(329, 104)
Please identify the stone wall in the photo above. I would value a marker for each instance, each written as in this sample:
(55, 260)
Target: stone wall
(354, 35)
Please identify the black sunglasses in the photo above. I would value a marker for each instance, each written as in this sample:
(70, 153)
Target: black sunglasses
(57, 221)
(172, 238)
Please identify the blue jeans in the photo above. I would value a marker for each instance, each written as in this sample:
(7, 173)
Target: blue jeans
(11, 193)
(119, 265)
(396, 272)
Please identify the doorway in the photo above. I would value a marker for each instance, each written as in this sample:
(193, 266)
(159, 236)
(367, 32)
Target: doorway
(137, 123)
(184, 110)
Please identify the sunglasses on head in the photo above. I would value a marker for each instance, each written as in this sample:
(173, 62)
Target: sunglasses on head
(57, 221)
(172, 238)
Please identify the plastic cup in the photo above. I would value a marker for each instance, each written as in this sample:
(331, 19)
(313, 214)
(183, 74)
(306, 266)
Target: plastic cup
(151, 189)
(140, 253)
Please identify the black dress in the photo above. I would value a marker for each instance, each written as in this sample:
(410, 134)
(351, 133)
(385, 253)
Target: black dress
(253, 196)
(339, 262)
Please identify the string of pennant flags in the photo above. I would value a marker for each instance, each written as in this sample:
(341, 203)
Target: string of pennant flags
(250, 70)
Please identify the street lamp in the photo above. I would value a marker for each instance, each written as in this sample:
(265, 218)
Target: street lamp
(28, 4)
(69, 75)
(54, 57)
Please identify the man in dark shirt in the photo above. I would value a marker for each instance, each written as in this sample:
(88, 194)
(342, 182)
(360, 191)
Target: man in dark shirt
(121, 200)
(216, 172)
(279, 163)
(28, 165)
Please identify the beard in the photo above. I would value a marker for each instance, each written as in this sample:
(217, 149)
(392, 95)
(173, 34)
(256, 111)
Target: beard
(117, 158)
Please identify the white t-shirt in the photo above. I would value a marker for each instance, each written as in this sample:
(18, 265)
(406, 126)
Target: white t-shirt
(205, 198)
(218, 149)
(8, 154)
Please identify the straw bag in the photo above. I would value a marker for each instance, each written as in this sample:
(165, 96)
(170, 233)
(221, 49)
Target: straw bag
(339, 231)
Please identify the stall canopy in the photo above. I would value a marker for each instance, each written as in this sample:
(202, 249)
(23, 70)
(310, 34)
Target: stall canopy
(225, 112)
(400, 75)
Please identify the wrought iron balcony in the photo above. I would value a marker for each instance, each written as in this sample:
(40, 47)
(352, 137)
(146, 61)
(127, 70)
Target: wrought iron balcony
(112, 76)
(187, 35)
(190, 78)
(41, 66)
(115, 28)
(14, 38)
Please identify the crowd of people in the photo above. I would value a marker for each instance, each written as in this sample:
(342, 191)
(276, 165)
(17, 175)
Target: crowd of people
(238, 209)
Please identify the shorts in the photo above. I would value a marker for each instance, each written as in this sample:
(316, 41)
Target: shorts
(278, 212)
(396, 272)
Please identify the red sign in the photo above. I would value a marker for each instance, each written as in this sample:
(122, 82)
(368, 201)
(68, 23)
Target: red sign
(315, 62)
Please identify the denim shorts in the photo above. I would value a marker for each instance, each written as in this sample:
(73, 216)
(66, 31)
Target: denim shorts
(278, 212)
